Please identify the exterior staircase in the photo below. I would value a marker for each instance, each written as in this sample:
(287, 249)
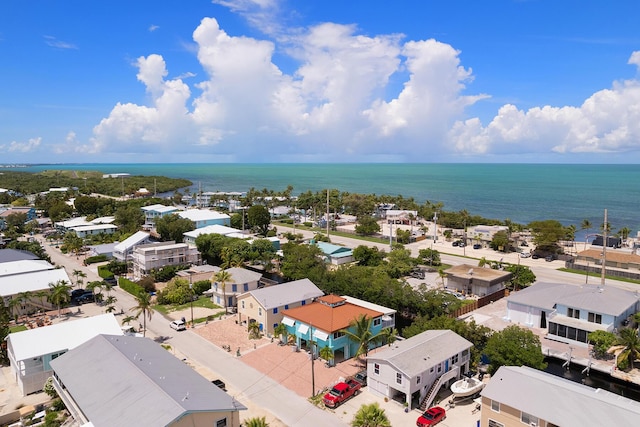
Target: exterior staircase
(435, 388)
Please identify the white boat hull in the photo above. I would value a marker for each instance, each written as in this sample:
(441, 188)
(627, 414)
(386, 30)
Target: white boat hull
(466, 387)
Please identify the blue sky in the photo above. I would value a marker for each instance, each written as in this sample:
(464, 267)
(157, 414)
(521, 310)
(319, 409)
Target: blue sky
(319, 81)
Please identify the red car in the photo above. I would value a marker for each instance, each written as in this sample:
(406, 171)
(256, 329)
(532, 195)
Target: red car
(432, 417)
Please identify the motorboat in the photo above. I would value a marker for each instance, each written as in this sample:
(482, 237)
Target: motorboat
(467, 386)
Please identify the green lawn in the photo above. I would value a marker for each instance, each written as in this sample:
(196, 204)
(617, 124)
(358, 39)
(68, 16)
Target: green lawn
(17, 328)
(203, 301)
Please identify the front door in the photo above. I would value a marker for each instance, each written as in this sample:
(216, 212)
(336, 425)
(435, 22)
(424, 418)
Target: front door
(446, 365)
(543, 320)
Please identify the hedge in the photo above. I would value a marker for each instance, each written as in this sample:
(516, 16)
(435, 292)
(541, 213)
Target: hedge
(104, 272)
(132, 287)
(94, 259)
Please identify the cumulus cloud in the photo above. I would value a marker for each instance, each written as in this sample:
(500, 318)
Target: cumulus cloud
(343, 102)
(152, 28)
(21, 147)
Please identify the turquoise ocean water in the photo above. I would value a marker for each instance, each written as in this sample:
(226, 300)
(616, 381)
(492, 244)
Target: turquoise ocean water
(520, 192)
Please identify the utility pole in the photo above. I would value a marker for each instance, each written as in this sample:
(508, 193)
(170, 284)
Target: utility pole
(604, 248)
(327, 212)
(313, 376)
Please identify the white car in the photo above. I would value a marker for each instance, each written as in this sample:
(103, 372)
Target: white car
(178, 325)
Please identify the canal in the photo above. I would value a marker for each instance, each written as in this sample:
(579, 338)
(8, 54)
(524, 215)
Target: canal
(595, 379)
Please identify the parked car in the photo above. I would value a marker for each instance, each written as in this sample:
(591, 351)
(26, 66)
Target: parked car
(220, 384)
(178, 325)
(76, 293)
(549, 258)
(361, 377)
(477, 246)
(341, 392)
(87, 296)
(431, 417)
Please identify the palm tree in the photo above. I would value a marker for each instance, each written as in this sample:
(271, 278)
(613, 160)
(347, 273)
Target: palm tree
(371, 415)
(24, 297)
(222, 277)
(362, 334)
(390, 335)
(79, 275)
(442, 275)
(42, 295)
(281, 331)
(624, 233)
(326, 353)
(586, 225)
(59, 293)
(143, 308)
(630, 342)
(256, 422)
(254, 330)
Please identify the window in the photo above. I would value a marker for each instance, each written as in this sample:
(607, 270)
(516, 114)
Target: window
(529, 420)
(431, 370)
(337, 335)
(304, 303)
(418, 379)
(245, 287)
(377, 321)
(572, 312)
(398, 377)
(221, 423)
(493, 423)
(595, 318)
(275, 310)
(439, 368)
(286, 306)
(234, 288)
(242, 304)
(454, 359)
(259, 311)
(376, 369)
(495, 406)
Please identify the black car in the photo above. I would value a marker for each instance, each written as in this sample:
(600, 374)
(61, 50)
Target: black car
(477, 246)
(85, 297)
(361, 377)
(76, 293)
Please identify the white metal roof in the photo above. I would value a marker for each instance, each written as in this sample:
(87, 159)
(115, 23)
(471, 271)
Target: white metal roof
(138, 383)
(92, 227)
(369, 305)
(212, 229)
(61, 336)
(30, 282)
(159, 208)
(202, 215)
(558, 400)
(129, 242)
(23, 266)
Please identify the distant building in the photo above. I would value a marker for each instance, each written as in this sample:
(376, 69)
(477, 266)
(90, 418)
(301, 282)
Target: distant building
(473, 280)
(153, 256)
(191, 236)
(612, 241)
(113, 380)
(204, 217)
(153, 212)
(335, 254)
(242, 280)
(5, 212)
(519, 395)
(31, 352)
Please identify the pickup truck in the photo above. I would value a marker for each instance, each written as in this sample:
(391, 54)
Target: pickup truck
(341, 392)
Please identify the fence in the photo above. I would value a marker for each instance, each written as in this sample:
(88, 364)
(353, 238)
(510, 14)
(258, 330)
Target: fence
(480, 302)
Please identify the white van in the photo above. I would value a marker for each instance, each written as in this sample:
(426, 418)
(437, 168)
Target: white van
(525, 254)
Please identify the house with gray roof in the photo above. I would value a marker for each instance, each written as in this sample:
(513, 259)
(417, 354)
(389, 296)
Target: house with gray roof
(413, 370)
(570, 312)
(123, 250)
(519, 395)
(266, 305)
(242, 280)
(10, 255)
(138, 383)
(474, 280)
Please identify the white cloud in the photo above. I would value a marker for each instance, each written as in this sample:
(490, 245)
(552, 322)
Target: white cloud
(608, 121)
(22, 147)
(58, 44)
(152, 28)
(343, 102)
(634, 59)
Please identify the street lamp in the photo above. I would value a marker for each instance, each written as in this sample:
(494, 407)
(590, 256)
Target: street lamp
(191, 298)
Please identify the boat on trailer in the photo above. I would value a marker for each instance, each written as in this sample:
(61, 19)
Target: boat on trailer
(467, 386)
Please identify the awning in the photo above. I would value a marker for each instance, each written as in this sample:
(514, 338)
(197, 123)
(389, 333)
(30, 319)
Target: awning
(578, 323)
(386, 318)
(303, 329)
(320, 335)
(287, 321)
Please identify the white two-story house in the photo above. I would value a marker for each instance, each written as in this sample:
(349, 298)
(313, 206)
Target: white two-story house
(413, 370)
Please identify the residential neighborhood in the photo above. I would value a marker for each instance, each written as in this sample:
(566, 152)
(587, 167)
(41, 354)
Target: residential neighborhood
(92, 310)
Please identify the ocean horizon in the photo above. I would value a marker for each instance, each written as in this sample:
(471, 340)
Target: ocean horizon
(523, 193)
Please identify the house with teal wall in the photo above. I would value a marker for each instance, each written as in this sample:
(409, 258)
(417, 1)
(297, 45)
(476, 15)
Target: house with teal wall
(324, 320)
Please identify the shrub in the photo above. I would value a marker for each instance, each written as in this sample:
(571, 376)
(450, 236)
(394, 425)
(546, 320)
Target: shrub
(307, 224)
(132, 287)
(147, 283)
(167, 273)
(95, 259)
(49, 389)
(201, 286)
(176, 292)
(104, 272)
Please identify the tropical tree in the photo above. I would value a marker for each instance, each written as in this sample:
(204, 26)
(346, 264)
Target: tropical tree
(281, 331)
(442, 275)
(256, 422)
(629, 340)
(259, 218)
(602, 341)
(223, 277)
(514, 346)
(254, 330)
(586, 225)
(326, 353)
(143, 307)
(79, 275)
(624, 233)
(359, 331)
(370, 415)
(59, 293)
